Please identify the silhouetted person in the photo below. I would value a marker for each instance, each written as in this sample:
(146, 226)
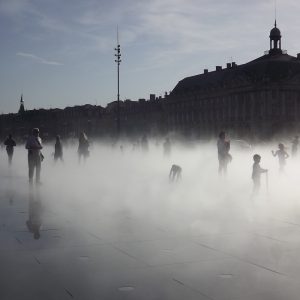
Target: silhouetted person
(144, 144)
(167, 147)
(83, 147)
(227, 149)
(256, 173)
(34, 221)
(10, 144)
(223, 153)
(282, 156)
(35, 157)
(58, 149)
(295, 144)
(175, 173)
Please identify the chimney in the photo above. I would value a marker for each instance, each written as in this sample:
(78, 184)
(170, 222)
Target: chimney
(205, 71)
(228, 65)
(218, 68)
(152, 97)
(234, 64)
(298, 56)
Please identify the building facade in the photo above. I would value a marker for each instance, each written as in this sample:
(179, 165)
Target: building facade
(66, 122)
(260, 98)
(136, 118)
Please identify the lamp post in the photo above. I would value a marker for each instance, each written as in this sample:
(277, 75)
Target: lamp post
(118, 61)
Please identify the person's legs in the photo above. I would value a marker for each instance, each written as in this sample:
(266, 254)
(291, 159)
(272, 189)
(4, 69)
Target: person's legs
(281, 167)
(256, 187)
(221, 166)
(38, 170)
(178, 177)
(30, 168)
(10, 155)
(225, 168)
(171, 175)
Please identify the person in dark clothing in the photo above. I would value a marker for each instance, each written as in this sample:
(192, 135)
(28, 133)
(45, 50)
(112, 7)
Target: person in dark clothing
(35, 157)
(10, 144)
(83, 147)
(58, 150)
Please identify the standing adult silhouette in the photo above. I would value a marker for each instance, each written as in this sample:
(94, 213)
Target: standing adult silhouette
(35, 156)
(10, 144)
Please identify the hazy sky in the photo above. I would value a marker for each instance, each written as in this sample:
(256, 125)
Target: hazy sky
(60, 52)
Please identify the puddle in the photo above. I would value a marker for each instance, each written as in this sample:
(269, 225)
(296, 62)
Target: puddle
(126, 288)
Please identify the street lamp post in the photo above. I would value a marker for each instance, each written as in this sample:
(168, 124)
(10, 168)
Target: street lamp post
(118, 61)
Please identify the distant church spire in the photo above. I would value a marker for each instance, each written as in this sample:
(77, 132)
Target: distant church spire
(275, 12)
(22, 108)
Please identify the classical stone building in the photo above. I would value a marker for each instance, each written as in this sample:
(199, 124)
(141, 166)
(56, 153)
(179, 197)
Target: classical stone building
(261, 97)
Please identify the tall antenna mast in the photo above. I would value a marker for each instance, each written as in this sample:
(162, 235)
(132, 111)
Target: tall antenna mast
(118, 34)
(118, 61)
(275, 7)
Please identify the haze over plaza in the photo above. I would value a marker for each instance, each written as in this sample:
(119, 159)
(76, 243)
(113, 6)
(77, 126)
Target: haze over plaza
(59, 54)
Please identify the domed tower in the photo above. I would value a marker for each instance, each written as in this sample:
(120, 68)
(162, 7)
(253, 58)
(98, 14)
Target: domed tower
(275, 40)
(22, 108)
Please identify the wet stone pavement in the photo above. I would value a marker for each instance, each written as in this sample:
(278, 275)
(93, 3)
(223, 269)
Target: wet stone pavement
(50, 249)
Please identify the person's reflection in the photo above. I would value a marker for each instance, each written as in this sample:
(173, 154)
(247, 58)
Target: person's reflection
(10, 188)
(34, 221)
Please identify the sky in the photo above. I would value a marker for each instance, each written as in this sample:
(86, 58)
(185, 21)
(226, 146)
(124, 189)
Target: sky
(61, 53)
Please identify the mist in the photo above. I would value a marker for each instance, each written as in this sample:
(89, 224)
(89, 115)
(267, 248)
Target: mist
(123, 198)
(132, 184)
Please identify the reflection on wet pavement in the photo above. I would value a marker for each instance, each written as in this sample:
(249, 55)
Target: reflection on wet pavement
(97, 231)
